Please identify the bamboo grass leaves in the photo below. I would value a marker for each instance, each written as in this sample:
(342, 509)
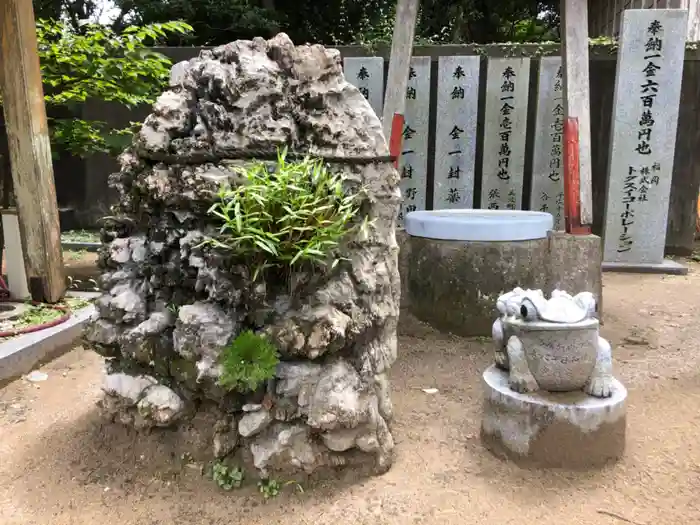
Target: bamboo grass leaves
(290, 216)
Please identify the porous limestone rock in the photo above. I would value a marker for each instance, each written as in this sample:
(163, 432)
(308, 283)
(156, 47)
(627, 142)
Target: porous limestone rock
(253, 422)
(160, 405)
(141, 401)
(171, 303)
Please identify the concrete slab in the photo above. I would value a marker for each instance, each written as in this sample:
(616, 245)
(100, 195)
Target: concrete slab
(12, 310)
(668, 266)
(20, 355)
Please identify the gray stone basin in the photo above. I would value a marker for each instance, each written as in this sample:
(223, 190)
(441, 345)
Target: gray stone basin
(456, 263)
(479, 225)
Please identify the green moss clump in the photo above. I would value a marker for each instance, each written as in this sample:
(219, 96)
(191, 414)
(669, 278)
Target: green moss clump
(248, 362)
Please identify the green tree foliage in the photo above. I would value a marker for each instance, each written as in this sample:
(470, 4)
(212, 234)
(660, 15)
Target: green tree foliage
(213, 21)
(70, 11)
(95, 62)
(222, 21)
(335, 21)
(329, 21)
(350, 21)
(489, 21)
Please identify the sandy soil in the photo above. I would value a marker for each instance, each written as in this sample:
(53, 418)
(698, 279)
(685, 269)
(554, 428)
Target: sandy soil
(60, 464)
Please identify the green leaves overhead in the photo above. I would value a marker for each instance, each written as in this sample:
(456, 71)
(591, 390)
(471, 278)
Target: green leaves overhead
(343, 22)
(97, 63)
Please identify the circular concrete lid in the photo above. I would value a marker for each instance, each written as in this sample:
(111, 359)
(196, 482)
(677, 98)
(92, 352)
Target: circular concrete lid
(479, 225)
(11, 310)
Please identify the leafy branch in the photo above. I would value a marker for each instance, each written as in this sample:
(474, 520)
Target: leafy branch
(98, 63)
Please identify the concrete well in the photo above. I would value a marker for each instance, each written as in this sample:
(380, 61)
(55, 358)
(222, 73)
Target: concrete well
(456, 263)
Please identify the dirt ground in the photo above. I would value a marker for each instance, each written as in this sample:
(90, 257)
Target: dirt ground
(61, 465)
(81, 267)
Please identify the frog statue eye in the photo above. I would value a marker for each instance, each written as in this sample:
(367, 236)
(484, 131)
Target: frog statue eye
(528, 312)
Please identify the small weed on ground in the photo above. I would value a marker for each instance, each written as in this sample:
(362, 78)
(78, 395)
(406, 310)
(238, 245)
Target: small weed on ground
(270, 488)
(226, 477)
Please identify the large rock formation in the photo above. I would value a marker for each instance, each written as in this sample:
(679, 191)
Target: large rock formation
(170, 304)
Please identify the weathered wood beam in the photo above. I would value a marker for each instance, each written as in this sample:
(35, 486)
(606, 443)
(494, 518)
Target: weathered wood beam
(399, 62)
(30, 151)
(574, 14)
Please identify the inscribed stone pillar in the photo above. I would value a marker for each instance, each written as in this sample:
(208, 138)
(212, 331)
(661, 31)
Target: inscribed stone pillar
(647, 97)
(505, 127)
(547, 161)
(413, 164)
(455, 139)
(367, 74)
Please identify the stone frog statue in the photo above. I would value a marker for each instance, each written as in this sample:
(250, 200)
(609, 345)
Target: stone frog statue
(552, 344)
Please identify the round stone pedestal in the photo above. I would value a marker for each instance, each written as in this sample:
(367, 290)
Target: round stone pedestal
(544, 429)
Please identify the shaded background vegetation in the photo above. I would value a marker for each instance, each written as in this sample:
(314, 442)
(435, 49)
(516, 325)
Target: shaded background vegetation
(328, 21)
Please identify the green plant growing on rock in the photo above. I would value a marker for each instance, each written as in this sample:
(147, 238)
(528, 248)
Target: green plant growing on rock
(248, 362)
(293, 215)
(226, 477)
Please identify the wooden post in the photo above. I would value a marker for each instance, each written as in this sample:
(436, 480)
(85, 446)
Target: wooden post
(396, 138)
(693, 21)
(30, 151)
(572, 183)
(574, 14)
(399, 62)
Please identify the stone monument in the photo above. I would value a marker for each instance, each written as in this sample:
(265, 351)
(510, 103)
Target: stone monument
(367, 74)
(172, 303)
(643, 140)
(505, 128)
(550, 398)
(413, 163)
(455, 142)
(547, 191)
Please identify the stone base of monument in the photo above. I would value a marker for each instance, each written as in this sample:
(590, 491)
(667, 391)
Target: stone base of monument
(566, 430)
(667, 266)
(454, 264)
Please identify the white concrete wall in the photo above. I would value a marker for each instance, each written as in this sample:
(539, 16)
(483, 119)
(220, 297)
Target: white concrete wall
(605, 15)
